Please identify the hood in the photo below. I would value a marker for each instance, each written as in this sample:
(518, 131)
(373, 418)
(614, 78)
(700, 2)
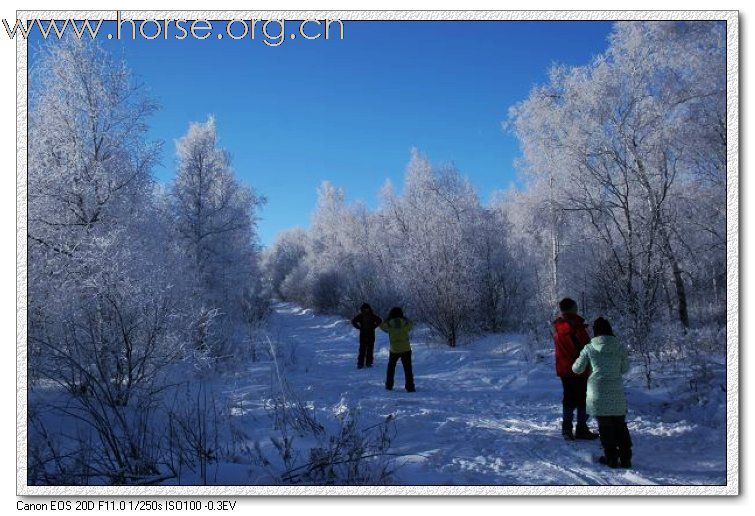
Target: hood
(603, 341)
(567, 323)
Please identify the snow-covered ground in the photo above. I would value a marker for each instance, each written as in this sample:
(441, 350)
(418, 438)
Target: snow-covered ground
(482, 413)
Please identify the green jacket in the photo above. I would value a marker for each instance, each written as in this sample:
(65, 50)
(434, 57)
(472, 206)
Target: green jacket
(605, 387)
(398, 333)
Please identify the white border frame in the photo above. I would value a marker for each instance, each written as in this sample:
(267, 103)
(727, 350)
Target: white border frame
(732, 232)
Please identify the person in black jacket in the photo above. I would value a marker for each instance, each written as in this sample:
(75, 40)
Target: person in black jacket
(366, 321)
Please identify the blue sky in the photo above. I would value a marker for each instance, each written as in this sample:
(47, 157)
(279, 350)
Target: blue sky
(349, 111)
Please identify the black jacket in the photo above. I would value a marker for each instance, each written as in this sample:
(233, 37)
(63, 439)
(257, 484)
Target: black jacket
(366, 324)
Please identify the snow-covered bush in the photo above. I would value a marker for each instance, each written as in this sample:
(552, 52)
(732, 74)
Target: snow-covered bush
(350, 455)
(192, 442)
(307, 447)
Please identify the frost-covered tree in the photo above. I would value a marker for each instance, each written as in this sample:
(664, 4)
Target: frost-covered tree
(89, 190)
(433, 249)
(432, 233)
(89, 160)
(624, 135)
(215, 222)
(123, 285)
(502, 280)
(345, 259)
(284, 264)
(105, 322)
(328, 249)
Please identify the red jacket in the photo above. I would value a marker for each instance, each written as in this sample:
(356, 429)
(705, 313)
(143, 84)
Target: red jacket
(570, 337)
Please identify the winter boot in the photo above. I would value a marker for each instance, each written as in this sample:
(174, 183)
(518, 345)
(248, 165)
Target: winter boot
(567, 430)
(610, 460)
(583, 432)
(625, 445)
(625, 457)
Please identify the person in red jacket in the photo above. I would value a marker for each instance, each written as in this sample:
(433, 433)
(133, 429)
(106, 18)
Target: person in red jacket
(570, 336)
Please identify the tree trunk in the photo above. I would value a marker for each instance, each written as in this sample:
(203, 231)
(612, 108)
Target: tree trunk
(676, 271)
(681, 292)
(555, 248)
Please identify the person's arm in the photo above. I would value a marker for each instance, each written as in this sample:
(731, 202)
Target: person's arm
(409, 325)
(575, 349)
(583, 337)
(582, 361)
(355, 322)
(384, 326)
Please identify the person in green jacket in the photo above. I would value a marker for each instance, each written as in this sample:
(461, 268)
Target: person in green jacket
(605, 392)
(398, 327)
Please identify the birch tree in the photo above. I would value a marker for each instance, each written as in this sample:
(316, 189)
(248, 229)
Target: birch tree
(618, 131)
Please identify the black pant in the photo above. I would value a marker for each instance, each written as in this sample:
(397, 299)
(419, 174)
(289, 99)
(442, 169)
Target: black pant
(406, 361)
(614, 436)
(575, 397)
(366, 352)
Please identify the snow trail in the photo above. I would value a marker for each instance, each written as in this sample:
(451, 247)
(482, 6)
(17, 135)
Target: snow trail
(482, 414)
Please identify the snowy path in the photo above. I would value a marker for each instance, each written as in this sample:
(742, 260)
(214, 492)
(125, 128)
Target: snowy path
(483, 415)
